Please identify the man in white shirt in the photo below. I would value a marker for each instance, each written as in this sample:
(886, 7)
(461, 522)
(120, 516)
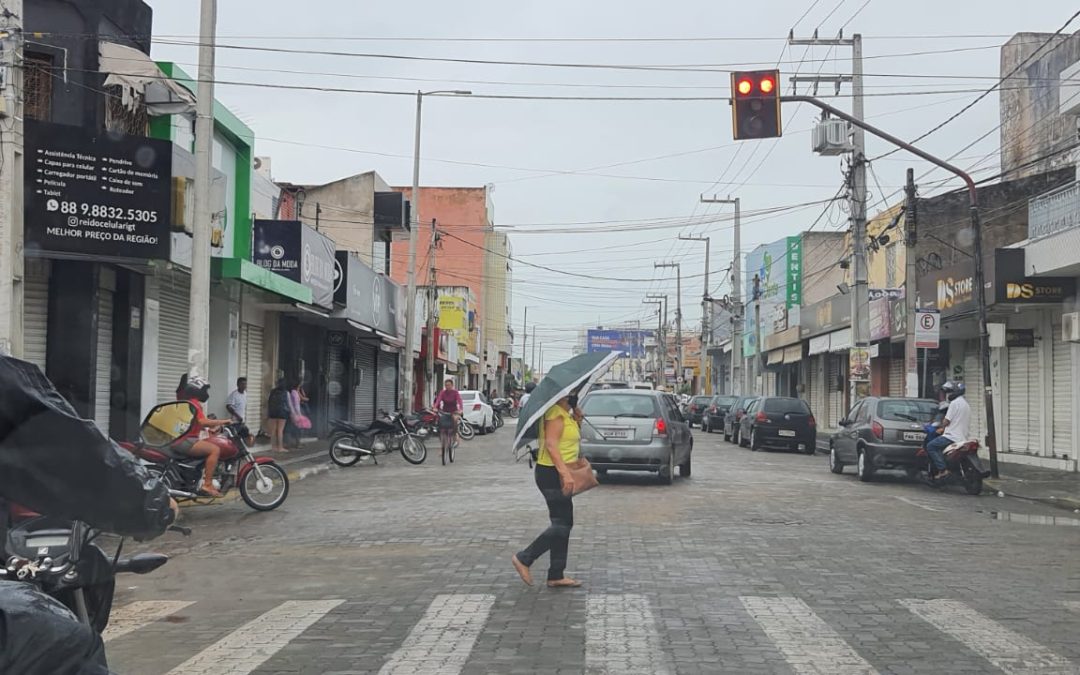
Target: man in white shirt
(956, 427)
(236, 404)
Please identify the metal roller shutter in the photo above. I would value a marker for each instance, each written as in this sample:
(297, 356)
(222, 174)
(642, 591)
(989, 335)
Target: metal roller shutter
(172, 361)
(364, 383)
(251, 367)
(1063, 395)
(835, 387)
(897, 378)
(337, 383)
(818, 403)
(103, 379)
(1024, 399)
(386, 394)
(36, 312)
(973, 381)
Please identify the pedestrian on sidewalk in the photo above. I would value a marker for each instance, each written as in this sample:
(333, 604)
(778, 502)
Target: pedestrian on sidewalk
(236, 403)
(277, 412)
(560, 444)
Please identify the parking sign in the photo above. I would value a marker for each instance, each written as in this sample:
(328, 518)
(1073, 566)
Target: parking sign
(927, 329)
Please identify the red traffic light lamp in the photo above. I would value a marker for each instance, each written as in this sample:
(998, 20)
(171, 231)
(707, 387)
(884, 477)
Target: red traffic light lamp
(755, 108)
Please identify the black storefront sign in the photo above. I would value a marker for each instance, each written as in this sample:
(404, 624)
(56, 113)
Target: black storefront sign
(1023, 337)
(952, 289)
(832, 313)
(369, 299)
(297, 252)
(98, 195)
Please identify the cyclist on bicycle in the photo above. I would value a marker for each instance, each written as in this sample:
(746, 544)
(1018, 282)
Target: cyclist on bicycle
(449, 402)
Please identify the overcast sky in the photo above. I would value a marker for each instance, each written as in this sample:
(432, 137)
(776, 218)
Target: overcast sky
(636, 167)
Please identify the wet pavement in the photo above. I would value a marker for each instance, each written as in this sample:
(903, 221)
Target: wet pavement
(762, 562)
(1047, 486)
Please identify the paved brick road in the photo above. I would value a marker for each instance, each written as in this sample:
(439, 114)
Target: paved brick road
(760, 563)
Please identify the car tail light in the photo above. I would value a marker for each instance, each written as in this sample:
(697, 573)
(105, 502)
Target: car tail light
(476, 406)
(812, 422)
(661, 427)
(878, 431)
(761, 417)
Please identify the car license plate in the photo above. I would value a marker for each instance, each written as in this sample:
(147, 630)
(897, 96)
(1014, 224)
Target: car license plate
(787, 432)
(913, 436)
(616, 434)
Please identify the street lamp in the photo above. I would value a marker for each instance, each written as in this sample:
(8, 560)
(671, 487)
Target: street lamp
(407, 374)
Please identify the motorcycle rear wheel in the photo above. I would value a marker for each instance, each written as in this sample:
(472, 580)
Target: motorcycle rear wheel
(973, 485)
(256, 490)
(413, 450)
(465, 430)
(341, 456)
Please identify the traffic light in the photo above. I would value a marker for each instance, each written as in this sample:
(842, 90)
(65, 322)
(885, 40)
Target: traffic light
(755, 106)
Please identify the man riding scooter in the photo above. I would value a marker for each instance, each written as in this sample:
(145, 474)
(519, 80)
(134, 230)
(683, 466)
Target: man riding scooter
(954, 429)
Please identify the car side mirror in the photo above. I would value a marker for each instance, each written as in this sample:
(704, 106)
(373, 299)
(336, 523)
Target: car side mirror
(844, 422)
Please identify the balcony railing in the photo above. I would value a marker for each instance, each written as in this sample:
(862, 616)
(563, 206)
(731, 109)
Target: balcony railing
(1054, 211)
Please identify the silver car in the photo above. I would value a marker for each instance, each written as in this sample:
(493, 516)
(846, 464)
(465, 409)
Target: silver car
(635, 430)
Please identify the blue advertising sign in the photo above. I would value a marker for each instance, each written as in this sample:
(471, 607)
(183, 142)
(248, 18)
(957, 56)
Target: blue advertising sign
(630, 342)
(778, 267)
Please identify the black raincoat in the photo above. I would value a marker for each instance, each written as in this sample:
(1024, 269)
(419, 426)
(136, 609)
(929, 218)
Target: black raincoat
(57, 464)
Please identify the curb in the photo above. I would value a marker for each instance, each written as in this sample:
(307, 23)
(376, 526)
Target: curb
(293, 475)
(1064, 503)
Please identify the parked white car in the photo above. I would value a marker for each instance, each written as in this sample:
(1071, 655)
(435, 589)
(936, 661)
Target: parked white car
(478, 412)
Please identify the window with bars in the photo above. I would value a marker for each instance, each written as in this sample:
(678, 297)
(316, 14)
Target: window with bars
(37, 86)
(122, 118)
(890, 266)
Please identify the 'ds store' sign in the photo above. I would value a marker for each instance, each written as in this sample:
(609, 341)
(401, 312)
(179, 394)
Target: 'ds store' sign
(952, 292)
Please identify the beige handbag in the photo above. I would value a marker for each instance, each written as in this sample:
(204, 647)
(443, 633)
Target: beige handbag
(582, 473)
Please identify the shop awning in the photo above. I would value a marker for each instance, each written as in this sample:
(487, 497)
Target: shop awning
(793, 354)
(840, 340)
(775, 357)
(819, 345)
(471, 358)
(249, 272)
(139, 77)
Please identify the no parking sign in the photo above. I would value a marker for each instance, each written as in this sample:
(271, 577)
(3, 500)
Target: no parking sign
(927, 329)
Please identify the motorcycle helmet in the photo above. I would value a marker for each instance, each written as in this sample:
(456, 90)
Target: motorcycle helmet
(953, 389)
(198, 389)
(529, 386)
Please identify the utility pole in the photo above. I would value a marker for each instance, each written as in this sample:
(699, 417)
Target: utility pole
(860, 296)
(11, 177)
(911, 238)
(737, 384)
(541, 358)
(532, 361)
(678, 317)
(199, 320)
(659, 331)
(408, 377)
(432, 316)
(663, 334)
(706, 314)
(759, 356)
(524, 344)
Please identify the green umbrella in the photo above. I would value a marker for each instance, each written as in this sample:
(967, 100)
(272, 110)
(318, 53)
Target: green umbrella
(581, 371)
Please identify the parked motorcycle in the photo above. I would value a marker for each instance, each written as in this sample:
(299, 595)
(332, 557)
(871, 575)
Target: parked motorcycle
(504, 407)
(59, 558)
(263, 483)
(961, 459)
(349, 443)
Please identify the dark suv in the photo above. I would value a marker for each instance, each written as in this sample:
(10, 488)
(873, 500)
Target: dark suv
(779, 422)
(696, 408)
(715, 411)
(734, 415)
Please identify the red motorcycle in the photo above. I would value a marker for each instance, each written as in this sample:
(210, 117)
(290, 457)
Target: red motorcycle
(263, 484)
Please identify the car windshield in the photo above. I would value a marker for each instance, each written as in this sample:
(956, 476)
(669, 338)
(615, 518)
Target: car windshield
(907, 410)
(725, 400)
(700, 400)
(468, 395)
(619, 405)
(786, 405)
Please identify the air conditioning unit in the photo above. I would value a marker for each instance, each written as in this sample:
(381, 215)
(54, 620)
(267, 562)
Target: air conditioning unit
(1070, 327)
(832, 137)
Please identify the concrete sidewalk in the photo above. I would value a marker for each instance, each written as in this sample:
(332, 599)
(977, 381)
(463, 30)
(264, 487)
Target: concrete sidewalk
(1046, 486)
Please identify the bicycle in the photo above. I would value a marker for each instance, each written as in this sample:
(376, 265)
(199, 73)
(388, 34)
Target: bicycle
(446, 437)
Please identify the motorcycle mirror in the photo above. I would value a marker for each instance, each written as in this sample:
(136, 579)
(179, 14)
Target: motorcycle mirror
(142, 563)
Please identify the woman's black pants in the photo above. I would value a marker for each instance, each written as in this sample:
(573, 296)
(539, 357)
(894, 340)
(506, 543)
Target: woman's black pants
(556, 538)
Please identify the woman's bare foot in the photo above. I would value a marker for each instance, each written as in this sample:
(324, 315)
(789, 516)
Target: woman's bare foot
(565, 582)
(209, 490)
(522, 570)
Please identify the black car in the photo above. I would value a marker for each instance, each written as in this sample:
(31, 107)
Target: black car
(734, 415)
(881, 433)
(695, 409)
(779, 422)
(714, 413)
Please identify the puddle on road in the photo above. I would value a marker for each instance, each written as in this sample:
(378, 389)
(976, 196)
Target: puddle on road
(1031, 519)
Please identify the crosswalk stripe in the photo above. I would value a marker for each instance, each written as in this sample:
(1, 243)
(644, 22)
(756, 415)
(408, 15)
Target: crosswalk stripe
(621, 637)
(135, 615)
(440, 643)
(1011, 652)
(808, 643)
(246, 648)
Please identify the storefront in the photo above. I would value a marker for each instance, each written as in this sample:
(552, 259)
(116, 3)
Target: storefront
(783, 358)
(97, 209)
(1031, 365)
(825, 327)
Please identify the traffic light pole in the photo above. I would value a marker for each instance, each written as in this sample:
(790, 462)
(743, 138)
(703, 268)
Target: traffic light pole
(976, 228)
